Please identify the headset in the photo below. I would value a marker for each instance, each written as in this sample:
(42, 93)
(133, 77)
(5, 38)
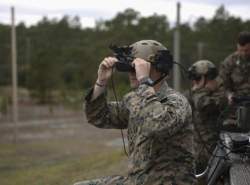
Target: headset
(211, 74)
(163, 60)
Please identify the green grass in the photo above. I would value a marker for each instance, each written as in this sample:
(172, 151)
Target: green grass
(46, 164)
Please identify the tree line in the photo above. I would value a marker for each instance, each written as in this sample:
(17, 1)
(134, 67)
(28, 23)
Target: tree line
(56, 56)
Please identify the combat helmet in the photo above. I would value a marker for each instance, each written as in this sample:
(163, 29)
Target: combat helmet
(153, 52)
(202, 68)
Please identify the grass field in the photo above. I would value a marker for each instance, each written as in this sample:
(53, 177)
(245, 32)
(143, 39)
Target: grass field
(60, 158)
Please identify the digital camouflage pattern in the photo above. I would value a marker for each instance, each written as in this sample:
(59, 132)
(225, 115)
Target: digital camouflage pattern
(235, 74)
(160, 135)
(207, 108)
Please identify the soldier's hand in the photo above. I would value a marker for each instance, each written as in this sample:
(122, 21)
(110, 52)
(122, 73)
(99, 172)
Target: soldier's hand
(105, 70)
(142, 68)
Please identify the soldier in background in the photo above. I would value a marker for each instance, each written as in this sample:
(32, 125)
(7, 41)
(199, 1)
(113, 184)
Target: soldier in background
(157, 117)
(235, 69)
(208, 101)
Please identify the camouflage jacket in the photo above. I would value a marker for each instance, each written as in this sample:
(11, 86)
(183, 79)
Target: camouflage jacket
(159, 133)
(207, 108)
(235, 74)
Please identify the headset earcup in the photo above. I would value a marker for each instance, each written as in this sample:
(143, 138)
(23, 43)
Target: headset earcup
(164, 61)
(162, 67)
(212, 73)
(192, 75)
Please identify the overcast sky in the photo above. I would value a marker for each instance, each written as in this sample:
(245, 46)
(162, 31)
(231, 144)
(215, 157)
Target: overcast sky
(31, 11)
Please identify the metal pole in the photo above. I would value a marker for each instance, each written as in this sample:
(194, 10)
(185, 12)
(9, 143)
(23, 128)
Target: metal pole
(176, 70)
(200, 46)
(14, 74)
(27, 65)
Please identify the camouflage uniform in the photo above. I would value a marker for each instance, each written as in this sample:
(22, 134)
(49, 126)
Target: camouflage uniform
(159, 135)
(207, 107)
(235, 74)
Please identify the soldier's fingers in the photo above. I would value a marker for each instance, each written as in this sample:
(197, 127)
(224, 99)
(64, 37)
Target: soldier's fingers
(108, 62)
(139, 61)
(104, 64)
(111, 61)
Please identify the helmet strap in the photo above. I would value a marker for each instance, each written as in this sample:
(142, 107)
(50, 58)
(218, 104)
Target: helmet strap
(159, 79)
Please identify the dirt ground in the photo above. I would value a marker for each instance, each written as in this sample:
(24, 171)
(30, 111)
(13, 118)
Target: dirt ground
(59, 150)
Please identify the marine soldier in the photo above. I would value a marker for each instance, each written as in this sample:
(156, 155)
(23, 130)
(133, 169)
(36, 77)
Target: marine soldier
(208, 101)
(235, 69)
(157, 119)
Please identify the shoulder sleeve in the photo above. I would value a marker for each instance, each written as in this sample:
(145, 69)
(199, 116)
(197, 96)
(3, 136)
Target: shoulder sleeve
(200, 98)
(206, 102)
(103, 114)
(166, 117)
(188, 95)
(225, 72)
